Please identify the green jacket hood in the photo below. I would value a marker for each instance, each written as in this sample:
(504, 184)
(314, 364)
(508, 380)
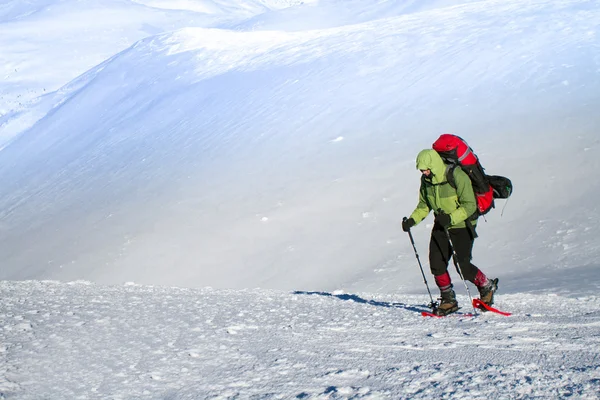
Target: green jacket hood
(430, 159)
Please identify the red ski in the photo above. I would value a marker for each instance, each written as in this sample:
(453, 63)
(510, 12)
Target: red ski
(484, 307)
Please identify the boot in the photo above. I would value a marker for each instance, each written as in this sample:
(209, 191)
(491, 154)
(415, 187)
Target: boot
(448, 303)
(486, 293)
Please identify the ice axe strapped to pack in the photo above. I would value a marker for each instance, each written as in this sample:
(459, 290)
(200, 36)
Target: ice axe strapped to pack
(456, 152)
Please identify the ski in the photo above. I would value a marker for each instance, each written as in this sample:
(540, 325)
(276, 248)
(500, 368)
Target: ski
(477, 303)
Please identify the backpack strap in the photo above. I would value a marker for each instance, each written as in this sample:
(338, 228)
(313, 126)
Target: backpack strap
(471, 227)
(450, 175)
(466, 154)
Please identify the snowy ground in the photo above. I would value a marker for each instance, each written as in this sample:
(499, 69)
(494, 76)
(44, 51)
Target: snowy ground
(151, 149)
(82, 341)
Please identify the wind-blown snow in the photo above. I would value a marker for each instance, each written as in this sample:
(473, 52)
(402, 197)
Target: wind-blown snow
(47, 43)
(266, 149)
(67, 341)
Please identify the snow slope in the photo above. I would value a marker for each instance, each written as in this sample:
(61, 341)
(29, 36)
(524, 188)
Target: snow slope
(79, 340)
(259, 156)
(285, 159)
(47, 43)
(335, 13)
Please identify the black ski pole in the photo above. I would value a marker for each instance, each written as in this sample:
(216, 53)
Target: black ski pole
(457, 266)
(433, 305)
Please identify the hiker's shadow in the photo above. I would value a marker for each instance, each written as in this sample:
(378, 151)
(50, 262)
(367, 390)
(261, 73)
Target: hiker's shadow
(358, 299)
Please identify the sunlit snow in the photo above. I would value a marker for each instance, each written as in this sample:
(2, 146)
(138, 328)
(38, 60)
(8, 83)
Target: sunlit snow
(202, 198)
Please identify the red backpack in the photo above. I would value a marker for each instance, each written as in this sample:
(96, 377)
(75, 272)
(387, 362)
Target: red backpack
(456, 152)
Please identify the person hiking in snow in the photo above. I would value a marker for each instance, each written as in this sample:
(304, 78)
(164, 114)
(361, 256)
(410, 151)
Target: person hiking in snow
(452, 206)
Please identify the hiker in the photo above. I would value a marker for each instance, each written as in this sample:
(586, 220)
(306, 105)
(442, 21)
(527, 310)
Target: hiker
(453, 206)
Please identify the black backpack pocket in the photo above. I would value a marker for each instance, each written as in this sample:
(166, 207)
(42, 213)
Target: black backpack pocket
(501, 185)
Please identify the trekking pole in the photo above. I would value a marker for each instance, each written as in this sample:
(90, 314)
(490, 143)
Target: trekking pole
(458, 269)
(433, 304)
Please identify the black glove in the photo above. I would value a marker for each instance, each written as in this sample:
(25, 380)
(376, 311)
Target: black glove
(407, 224)
(443, 219)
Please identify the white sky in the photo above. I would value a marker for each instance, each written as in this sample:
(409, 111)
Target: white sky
(270, 145)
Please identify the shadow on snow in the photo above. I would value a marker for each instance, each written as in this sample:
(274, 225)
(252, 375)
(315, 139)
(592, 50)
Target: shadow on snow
(358, 299)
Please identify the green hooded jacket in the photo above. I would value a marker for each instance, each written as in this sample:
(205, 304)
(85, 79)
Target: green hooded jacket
(436, 193)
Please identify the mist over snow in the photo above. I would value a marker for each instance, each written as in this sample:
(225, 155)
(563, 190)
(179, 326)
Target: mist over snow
(204, 156)
(202, 198)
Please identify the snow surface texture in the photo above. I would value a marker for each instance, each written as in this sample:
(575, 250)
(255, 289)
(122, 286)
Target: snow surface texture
(247, 144)
(46, 43)
(83, 341)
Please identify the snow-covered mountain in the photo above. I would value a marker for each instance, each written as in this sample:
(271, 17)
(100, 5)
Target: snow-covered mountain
(278, 159)
(202, 198)
(47, 43)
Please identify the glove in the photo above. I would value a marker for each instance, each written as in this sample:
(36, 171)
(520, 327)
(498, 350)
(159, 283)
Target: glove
(407, 224)
(443, 219)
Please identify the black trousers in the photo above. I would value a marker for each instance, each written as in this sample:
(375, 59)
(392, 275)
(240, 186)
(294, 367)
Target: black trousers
(440, 251)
